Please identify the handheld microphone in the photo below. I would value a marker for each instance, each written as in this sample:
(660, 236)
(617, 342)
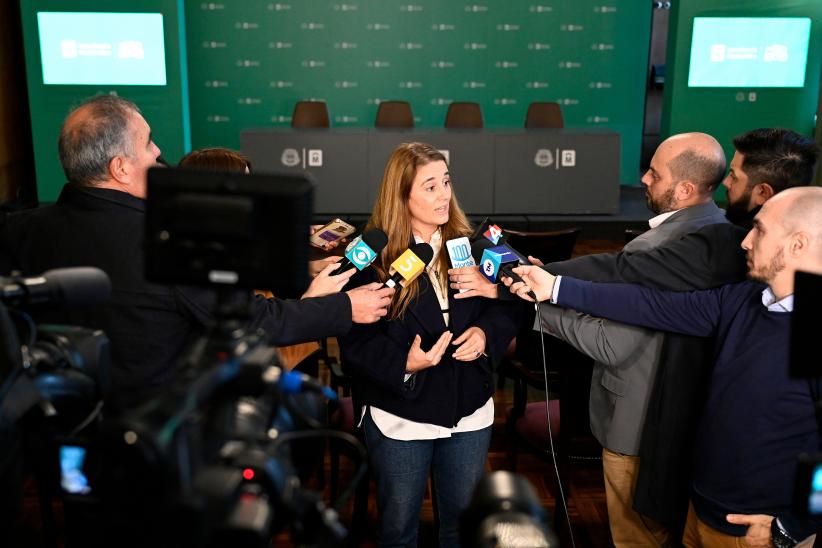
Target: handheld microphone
(488, 230)
(409, 265)
(363, 250)
(497, 260)
(459, 252)
(77, 286)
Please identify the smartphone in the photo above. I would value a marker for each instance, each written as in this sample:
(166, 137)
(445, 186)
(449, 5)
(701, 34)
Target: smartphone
(331, 232)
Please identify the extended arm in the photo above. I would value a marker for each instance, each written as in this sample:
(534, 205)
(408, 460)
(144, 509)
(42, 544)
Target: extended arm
(707, 258)
(694, 313)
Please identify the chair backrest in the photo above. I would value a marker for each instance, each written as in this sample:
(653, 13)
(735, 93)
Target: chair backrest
(309, 114)
(394, 114)
(544, 115)
(463, 115)
(557, 245)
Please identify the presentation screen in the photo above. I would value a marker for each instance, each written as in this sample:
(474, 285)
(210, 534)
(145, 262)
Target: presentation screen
(749, 52)
(102, 48)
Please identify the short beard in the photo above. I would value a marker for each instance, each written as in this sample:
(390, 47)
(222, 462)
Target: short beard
(664, 204)
(775, 266)
(738, 212)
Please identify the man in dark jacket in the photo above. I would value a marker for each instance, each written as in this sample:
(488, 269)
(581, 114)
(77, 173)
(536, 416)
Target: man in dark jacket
(106, 150)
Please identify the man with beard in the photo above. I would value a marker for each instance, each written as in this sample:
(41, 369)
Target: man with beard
(766, 161)
(756, 419)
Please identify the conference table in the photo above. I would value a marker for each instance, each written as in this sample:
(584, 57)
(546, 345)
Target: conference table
(520, 172)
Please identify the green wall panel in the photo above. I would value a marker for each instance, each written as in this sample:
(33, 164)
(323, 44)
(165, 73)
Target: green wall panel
(726, 112)
(250, 61)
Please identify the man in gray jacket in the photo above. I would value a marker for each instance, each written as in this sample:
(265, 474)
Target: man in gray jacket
(684, 172)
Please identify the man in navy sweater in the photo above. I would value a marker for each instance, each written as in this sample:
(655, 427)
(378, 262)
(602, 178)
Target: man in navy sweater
(756, 419)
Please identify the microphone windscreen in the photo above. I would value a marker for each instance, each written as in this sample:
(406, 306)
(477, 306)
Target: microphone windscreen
(478, 246)
(376, 239)
(423, 251)
(79, 286)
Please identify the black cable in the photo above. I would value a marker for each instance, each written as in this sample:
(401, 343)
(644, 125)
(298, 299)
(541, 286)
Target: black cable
(548, 418)
(288, 437)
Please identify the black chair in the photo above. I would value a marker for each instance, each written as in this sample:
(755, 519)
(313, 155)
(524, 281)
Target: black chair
(464, 116)
(341, 417)
(544, 115)
(550, 246)
(310, 114)
(394, 114)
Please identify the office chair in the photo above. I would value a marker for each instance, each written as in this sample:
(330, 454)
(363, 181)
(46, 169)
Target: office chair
(464, 115)
(394, 114)
(310, 114)
(544, 115)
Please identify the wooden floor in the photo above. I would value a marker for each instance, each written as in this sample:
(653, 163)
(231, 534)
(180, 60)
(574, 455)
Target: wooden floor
(585, 499)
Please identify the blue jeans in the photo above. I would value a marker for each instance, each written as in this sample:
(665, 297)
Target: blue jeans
(401, 470)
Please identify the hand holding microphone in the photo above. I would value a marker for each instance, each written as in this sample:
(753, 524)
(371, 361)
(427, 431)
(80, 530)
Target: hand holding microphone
(363, 251)
(464, 274)
(326, 282)
(497, 262)
(534, 284)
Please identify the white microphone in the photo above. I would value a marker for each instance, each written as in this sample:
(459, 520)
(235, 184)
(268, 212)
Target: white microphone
(459, 252)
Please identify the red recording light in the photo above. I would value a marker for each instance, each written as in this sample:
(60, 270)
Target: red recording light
(248, 474)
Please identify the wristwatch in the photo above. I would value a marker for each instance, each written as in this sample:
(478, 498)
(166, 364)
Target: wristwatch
(780, 537)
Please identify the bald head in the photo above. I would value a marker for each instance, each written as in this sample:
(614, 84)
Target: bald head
(800, 210)
(696, 157)
(92, 134)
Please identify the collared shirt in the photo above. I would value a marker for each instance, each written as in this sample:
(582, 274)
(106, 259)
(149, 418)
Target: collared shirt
(398, 428)
(654, 222)
(782, 305)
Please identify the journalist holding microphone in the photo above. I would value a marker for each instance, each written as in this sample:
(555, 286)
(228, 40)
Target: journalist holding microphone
(423, 373)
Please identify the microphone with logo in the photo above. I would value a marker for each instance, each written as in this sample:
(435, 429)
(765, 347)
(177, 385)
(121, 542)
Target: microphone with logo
(363, 250)
(497, 260)
(459, 252)
(409, 265)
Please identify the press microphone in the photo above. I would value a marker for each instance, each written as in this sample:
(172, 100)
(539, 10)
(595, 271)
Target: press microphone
(496, 261)
(488, 230)
(363, 250)
(409, 265)
(77, 286)
(459, 252)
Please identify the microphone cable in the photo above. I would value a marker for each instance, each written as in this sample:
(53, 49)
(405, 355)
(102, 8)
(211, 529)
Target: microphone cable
(548, 418)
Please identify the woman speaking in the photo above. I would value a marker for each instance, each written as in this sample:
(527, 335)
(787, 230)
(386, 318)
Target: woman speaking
(423, 374)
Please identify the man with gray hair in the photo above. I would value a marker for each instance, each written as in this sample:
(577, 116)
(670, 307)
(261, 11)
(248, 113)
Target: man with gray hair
(106, 150)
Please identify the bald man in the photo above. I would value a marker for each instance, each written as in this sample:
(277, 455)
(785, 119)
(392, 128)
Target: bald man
(684, 172)
(756, 418)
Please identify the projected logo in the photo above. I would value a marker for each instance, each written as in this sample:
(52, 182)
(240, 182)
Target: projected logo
(360, 255)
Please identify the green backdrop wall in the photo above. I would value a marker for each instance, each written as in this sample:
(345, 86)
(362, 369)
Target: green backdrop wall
(247, 62)
(728, 111)
(250, 61)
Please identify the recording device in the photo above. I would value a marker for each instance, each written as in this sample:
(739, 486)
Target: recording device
(78, 286)
(363, 250)
(331, 232)
(233, 230)
(804, 363)
(459, 252)
(409, 265)
(505, 512)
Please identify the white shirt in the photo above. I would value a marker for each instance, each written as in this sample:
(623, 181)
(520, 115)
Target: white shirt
(654, 222)
(398, 428)
(782, 305)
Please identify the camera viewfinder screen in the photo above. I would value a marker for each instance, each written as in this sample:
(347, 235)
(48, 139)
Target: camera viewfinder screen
(72, 478)
(749, 52)
(79, 48)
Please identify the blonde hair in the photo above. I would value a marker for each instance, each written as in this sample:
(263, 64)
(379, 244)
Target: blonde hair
(391, 215)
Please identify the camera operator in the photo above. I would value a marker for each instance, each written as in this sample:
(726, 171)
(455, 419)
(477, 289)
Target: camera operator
(106, 149)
